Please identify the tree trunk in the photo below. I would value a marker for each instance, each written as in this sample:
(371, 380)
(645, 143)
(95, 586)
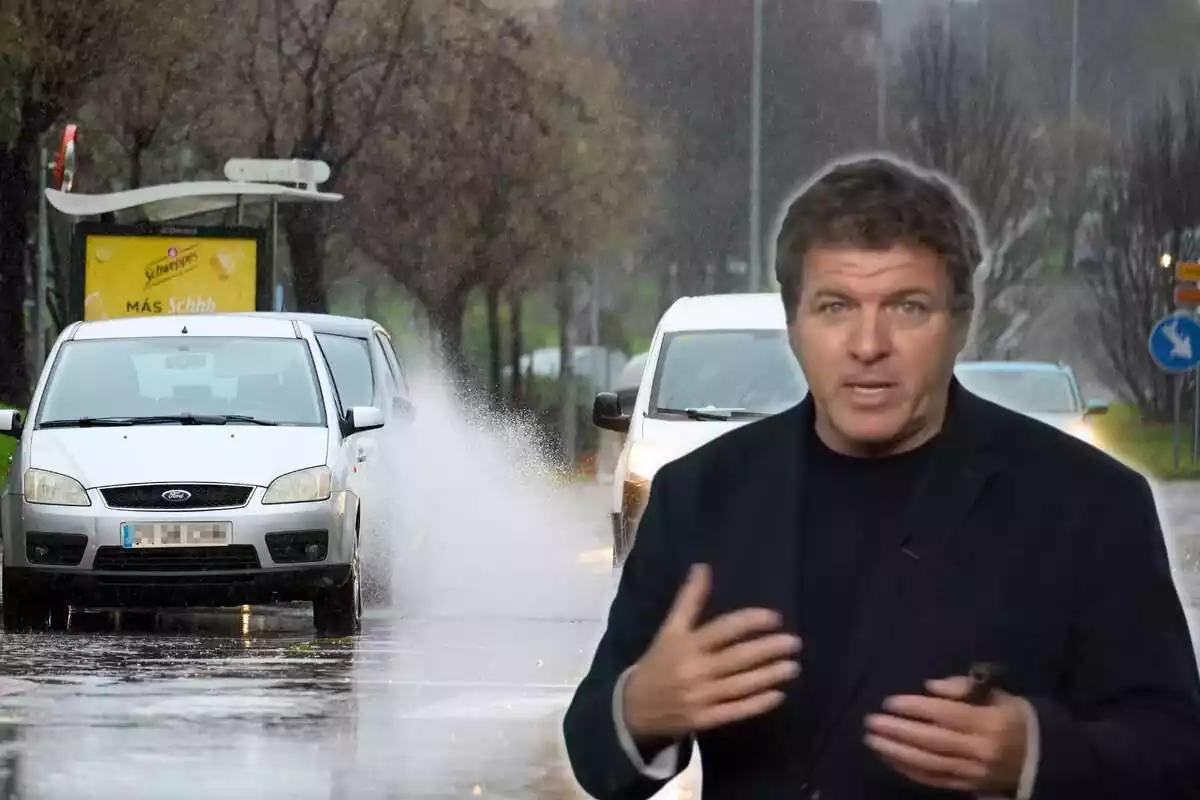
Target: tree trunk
(495, 380)
(516, 344)
(136, 154)
(446, 318)
(16, 177)
(566, 374)
(304, 226)
(372, 309)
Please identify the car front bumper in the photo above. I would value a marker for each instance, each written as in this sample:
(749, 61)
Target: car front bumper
(181, 590)
(76, 552)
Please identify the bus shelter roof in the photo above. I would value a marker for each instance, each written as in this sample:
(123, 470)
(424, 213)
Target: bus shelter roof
(174, 201)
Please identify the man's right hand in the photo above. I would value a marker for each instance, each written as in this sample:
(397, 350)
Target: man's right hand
(698, 677)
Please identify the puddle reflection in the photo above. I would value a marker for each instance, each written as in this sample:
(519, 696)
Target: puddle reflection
(10, 760)
(244, 622)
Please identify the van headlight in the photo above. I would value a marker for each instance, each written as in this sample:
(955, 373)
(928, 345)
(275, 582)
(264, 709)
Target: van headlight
(645, 460)
(53, 489)
(1081, 430)
(302, 486)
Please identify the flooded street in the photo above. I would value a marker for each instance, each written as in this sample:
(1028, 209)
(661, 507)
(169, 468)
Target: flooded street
(501, 580)
(451, 700)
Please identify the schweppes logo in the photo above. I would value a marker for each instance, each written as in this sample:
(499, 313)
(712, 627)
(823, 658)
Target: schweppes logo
(177, 262)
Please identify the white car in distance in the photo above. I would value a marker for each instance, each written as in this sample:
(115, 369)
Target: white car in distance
(716, 362)
(175, 461)
(1045, 391)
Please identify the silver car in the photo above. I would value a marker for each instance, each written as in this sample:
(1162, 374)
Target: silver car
(185, 461)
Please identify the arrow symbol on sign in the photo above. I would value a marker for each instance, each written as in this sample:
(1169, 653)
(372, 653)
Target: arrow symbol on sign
(1181, 346)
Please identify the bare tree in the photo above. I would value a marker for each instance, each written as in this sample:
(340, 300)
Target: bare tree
(495, 168)
(959, 115)
(433, 203)
(1151, 207)
(689, 62)
(50, 51)
(316, 73)
(161, 94)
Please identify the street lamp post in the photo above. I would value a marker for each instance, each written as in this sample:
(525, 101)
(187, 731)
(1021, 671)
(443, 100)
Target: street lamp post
(756, 267)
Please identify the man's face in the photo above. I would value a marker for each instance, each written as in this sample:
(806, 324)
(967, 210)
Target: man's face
(875, 334)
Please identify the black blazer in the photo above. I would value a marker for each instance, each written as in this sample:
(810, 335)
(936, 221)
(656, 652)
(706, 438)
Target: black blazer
(1027, 547)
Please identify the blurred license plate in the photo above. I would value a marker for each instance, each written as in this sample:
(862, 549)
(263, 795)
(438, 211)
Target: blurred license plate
(174, 534)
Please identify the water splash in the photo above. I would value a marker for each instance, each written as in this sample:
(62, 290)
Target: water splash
(479, 520)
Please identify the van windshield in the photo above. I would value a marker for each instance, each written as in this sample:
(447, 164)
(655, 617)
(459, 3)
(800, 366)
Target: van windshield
(752, 371)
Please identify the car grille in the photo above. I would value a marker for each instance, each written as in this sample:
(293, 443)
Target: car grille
(177, 559)
(201, 496)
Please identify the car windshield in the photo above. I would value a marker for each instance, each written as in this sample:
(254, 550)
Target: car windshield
(1033, 391)
(270, 380)
(349, 360)
(746, 370)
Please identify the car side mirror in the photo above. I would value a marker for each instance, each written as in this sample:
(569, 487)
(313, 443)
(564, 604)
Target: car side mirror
(363, 418)
(11, 423)
(1095, 408)
(606, 413)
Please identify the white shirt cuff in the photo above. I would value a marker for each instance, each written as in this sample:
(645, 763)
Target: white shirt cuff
(1033, 755)
(665, 764)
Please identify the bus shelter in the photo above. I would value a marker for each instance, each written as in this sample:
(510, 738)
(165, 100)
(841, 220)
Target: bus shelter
(139, 252)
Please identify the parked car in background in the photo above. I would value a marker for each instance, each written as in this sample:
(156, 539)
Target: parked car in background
(716, 362)
(1043, 390)
(367, 371)
(193, 460)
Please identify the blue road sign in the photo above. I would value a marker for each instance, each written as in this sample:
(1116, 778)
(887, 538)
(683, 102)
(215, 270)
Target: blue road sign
(1175, 342)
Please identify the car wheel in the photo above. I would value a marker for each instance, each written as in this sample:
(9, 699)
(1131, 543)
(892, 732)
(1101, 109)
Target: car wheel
(338, 611)
(27, 610)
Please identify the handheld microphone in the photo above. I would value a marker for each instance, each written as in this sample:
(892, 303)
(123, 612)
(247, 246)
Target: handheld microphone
(984, 678)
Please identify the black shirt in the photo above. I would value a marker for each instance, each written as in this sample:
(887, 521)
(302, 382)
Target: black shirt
(849, 506)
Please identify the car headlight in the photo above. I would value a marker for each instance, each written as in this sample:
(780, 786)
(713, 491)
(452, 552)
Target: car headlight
(302, 486)
(646, 459)
(52, 489)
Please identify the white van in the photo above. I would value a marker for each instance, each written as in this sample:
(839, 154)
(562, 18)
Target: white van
(716, 362)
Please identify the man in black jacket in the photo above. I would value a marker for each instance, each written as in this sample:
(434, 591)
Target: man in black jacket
(808, 593)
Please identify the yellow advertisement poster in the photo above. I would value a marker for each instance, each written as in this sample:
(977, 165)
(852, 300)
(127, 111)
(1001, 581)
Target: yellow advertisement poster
(129, 276)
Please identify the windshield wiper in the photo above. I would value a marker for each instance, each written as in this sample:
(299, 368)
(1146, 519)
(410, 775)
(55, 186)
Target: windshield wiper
(711, 413)
(160, 419)
(85, 422)
(244, 418)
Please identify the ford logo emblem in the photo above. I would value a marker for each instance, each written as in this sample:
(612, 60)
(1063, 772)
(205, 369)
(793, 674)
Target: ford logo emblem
(176, 495)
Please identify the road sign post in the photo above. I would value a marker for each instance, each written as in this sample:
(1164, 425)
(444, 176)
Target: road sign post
(1174, 345)
(1187, 271)
(1196, 415)
(1187, 284)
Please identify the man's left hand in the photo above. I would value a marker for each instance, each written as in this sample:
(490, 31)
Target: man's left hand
(937, 740)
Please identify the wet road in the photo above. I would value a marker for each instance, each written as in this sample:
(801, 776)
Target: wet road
(458, 693)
